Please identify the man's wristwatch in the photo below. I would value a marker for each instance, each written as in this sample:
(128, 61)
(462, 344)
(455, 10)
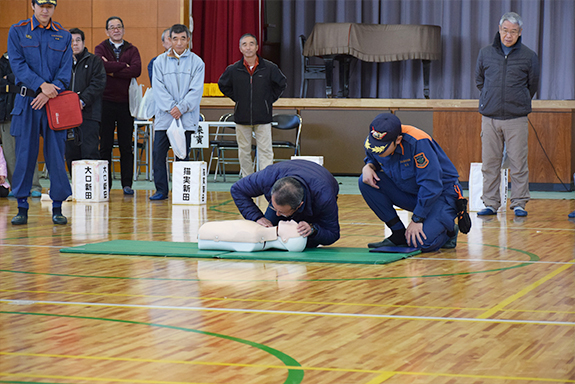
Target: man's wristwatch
(313, 230)
(417, 219)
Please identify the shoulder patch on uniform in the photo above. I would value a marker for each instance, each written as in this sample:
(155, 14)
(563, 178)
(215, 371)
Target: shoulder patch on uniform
(420, 160)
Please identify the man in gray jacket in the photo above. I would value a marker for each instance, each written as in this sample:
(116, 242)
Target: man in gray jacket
(178, 84)
(507, 74)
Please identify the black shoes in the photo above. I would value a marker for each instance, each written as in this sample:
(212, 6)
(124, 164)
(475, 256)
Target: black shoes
(19, 220)
(452, 241)
(385, 243)
(23, 219)
(59, 219)
(158, 196)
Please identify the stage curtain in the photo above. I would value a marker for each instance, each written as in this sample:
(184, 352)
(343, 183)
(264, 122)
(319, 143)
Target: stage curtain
(218, 26)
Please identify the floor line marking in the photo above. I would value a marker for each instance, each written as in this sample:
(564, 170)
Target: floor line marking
(489, 261)
(231, 299)
(524, 291)
(381, 378)
(298, 313)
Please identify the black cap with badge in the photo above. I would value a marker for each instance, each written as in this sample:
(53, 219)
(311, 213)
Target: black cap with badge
(42, 2)
(384, 129)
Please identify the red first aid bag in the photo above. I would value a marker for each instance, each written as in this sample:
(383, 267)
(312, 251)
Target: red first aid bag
(64, 111)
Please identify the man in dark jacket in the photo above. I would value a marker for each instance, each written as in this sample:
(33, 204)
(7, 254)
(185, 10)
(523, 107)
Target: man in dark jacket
(507, 74)
(89, 81)
(8, 141)
(122, 63)
(254, 84)
(298, 190)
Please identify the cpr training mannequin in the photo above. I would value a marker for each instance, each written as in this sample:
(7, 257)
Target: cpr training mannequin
(249, 236)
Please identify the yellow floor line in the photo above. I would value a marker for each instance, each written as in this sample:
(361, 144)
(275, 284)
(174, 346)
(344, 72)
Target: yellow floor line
(381, 378)
(523, 292)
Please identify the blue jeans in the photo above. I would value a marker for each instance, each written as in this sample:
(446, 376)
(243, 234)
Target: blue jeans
(160, 153)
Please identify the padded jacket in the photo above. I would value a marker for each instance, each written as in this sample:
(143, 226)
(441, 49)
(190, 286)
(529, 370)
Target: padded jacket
(253, 94)
(88, 81)
(319, 205)
(507, 83)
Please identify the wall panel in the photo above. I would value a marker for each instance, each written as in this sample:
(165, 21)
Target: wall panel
(336, 128)
(550, 150)
(459, 134)
(11, 11)
(133, 13)
(166, 11)
(338, 136)
(74, 14)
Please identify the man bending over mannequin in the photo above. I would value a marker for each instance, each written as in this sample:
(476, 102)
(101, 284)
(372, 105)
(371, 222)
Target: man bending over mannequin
(298, 190)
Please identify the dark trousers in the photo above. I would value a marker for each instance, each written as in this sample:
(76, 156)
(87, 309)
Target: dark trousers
(88, 140)
(27, 126)
(118, 115)
(439, 220)
(160, 152)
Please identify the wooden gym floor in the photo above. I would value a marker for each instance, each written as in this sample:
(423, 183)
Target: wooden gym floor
(500, 308)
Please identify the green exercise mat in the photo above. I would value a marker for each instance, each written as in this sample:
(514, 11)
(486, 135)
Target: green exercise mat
(173, 249)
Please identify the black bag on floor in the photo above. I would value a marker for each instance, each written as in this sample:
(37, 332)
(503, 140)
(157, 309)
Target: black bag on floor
(463, 219)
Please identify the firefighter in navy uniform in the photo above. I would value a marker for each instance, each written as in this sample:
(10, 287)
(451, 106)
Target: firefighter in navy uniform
(41, 58)
(405, 167)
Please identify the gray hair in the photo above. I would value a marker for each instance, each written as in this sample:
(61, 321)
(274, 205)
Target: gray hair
(288, 191)
(513, 18)
(164, 34)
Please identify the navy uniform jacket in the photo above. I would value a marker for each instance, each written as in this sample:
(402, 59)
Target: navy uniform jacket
(320, 201)
(418, 167)
(39, 55)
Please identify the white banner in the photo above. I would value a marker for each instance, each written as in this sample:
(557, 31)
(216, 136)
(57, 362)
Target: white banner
(189, 182)
(90, 180)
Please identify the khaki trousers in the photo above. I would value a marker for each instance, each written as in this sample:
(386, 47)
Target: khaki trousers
(9, 148)
(265, 153)
(513, 134)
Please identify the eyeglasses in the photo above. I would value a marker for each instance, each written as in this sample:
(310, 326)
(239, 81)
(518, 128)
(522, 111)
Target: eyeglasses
(281, 213)
(511, 33)
(115, 28)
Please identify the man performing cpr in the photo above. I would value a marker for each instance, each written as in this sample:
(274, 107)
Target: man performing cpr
(298, 190)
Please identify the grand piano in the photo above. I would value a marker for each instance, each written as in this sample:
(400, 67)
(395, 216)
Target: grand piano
(377, 43)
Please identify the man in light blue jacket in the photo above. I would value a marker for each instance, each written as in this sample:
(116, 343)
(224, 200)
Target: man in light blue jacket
(178, 85)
